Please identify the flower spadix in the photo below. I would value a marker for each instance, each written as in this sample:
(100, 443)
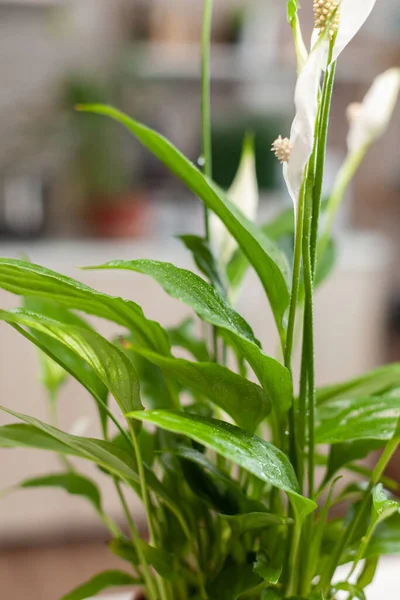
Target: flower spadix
(244, 194)
(370, 119)
(341, 20)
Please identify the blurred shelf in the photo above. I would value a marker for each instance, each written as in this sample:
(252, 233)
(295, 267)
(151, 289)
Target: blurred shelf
(31, 3)
(181, 62)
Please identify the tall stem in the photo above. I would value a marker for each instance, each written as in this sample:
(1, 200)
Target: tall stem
(205, 99)
(150, 587)
(146, 501)
(292, 318)
(320, 162)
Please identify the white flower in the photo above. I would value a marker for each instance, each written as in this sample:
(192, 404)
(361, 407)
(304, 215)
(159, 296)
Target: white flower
(349, 18)
(370, 119)
(303, 127)
(244, 194)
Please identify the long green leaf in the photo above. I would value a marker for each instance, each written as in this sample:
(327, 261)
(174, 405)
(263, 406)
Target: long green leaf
(73, 483)
(101, 582)
(211, 307)
(109, 362)
(249, 451)
(374, 382)
(267, 260)
(243, 400)
(27, 279)
(373, 417)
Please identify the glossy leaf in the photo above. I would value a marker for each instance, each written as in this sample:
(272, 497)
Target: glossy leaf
(101, 582)
(263, 567)
(109, 363)
(344, 420)
(43, 436)
(243, 400)
(73, 483)
(375, 382)
(249, 451)
(267, 260)
(27, 279)
(386, 538)
(204, 259)
(165, 563)
(211, 307)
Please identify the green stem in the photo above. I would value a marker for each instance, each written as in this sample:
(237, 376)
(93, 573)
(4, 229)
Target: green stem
(292, 318)
(321, 153)
(205, 99)
(385, 457)
(146, 502)
(150, 586)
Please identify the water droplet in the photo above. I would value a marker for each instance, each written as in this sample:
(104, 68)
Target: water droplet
(201, 161)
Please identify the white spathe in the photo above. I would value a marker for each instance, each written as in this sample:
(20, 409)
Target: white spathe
(244, 194)
(371, 118)
(303, 127)
(353, 14)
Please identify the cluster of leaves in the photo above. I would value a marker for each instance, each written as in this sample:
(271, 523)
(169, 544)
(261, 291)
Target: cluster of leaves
(220, 526)
(217, 459)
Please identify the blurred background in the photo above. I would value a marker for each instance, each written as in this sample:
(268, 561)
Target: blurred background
(76, 189)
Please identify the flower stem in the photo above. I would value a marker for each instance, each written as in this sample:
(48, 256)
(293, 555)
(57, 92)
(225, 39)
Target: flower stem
(205, 100)
(292, 318)
(320, 159)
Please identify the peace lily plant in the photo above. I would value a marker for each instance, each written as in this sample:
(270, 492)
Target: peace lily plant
(223, 447)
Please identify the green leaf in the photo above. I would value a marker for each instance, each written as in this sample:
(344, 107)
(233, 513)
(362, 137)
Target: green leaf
(43, 436)
(386, 538)
(243, 400)
(291, 9)
(251, 452)
(224, 493)
(375, 382)
(101, 582)
(110, 364)
(27, 279)
(232, 582)
(75, 366)
(267, 260)
(265, 569)
(204, 259)
(256, 521)
(367, 574)
(183, 337)
(211, 307)
(348, 452)
(281, 226)
(190, 289)
(165, 563)
(73, 483)
(346, 420)
(354, 590)
(111, 457)
(383, 507)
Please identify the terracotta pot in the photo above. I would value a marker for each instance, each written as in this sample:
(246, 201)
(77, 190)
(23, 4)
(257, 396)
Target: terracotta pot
(124, 216)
